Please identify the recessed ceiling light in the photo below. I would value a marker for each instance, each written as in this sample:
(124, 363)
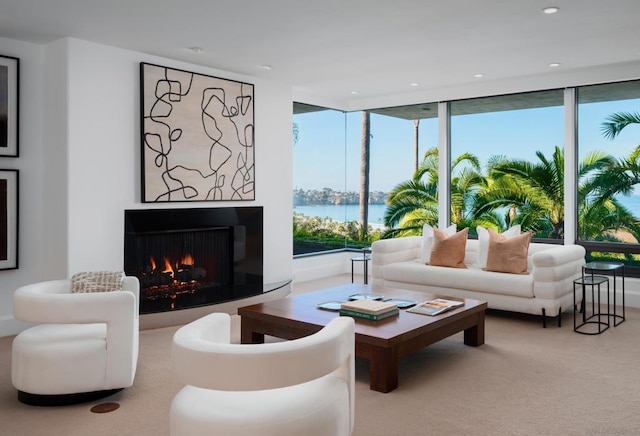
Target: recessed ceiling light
(196, 49)
(550, 10)
(354, 92)
(266, 67)
(554, 64)
(478, 75)
(414, 84)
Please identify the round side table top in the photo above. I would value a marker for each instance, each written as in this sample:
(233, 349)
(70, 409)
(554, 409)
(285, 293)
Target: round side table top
(603, 266)
(591, 280)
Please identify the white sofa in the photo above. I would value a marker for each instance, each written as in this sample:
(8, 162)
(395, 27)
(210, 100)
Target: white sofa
(547, 289)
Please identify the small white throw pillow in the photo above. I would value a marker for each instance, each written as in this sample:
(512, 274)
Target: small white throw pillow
(427, 240)
(483, 242)
(97, 281)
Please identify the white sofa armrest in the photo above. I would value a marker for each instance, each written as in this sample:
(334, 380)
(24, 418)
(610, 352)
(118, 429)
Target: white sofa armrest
(385, 251)
(558, 255)
(555, 269)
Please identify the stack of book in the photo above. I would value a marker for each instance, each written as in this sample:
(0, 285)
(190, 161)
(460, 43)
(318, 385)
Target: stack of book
(435, 307)
(369, 309)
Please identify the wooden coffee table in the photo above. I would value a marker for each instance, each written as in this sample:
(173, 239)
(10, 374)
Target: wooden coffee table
(382, 342)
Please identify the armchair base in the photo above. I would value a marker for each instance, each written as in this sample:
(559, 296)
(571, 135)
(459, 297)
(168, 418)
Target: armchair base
(63, 399)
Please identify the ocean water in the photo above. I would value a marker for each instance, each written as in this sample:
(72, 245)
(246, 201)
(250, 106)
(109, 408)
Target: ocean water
(344, 213)
(350, 212)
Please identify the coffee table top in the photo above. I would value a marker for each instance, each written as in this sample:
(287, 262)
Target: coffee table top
(302, 309)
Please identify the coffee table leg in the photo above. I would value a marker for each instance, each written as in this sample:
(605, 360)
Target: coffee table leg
(247, 335)
(383, 370)
(474, 335)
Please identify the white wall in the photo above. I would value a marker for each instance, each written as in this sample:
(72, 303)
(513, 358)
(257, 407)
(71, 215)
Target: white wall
(88, 149)
(30, 260)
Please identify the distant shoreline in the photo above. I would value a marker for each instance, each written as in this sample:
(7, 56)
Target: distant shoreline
(350, 212)
(344, 212)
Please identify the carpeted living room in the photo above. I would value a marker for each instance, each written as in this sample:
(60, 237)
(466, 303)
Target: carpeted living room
(525, 380)
(88, 186)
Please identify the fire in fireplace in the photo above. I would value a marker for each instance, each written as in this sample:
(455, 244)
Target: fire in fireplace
(194, 257)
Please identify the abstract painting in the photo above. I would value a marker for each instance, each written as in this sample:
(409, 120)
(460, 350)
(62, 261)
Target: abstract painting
(197, 137)
(8, 219)
(9, 82)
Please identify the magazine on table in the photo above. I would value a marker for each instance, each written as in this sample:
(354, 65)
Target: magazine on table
(435, 307)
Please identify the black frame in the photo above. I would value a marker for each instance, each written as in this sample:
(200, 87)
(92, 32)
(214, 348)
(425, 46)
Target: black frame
(197, 137)
(9, 224)
(9, 86)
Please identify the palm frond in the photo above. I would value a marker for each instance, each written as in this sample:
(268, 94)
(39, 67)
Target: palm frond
(616, 122)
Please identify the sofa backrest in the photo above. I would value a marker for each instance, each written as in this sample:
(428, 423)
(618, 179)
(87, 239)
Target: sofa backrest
(409, 248)
(472, 250)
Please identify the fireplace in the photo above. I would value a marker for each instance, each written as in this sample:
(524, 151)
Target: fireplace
(187, 258)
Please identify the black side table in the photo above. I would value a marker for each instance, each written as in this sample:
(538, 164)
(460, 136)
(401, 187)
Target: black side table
(614, 268)
(366, 257)
(593, 281)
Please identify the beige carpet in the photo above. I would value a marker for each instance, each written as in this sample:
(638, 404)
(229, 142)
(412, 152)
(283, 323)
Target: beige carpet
(525, 380)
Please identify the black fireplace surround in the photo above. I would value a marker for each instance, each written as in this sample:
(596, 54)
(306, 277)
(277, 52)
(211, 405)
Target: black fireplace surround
(187, 258)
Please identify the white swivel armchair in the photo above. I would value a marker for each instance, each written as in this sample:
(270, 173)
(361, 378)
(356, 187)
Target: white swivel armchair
(84, 347)
(299, 387)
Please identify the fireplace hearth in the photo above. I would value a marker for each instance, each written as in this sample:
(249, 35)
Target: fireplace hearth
(187, 258)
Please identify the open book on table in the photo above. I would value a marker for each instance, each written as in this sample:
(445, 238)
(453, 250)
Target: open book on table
(435, 307)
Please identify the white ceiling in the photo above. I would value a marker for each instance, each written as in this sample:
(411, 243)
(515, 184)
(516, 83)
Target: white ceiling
(328, 48)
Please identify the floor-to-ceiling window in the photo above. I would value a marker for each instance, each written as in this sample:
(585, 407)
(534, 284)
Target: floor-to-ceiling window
(609, 171)
(401, 138)
(507, 162)
(507, 167)
(329, 171)
(319, 197)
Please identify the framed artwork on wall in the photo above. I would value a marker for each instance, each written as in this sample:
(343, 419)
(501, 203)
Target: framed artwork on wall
(9, 82)
(197, 137)
(8, 219)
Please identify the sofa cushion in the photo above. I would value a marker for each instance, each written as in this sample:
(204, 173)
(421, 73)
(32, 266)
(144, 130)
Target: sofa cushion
(449, 250)
(427, 240)
(508, 255)
(472, 278)
(483, 241)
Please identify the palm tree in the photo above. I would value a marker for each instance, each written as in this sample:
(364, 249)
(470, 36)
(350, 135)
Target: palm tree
(622, 177)
(413, 203)
(533, 195)
(364, 175)
(416, 143)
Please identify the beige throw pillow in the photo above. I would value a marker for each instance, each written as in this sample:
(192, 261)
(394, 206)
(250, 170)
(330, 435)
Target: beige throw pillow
(483, 241)
(449, 250)
(427, 240)
(508, 255)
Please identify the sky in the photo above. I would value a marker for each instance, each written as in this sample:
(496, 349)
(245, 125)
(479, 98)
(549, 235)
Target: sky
(321, 159)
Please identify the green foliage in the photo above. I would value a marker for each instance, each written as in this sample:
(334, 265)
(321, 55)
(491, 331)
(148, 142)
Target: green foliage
(414, 203)
(323, 234)
(618, 121)
(516, 191)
